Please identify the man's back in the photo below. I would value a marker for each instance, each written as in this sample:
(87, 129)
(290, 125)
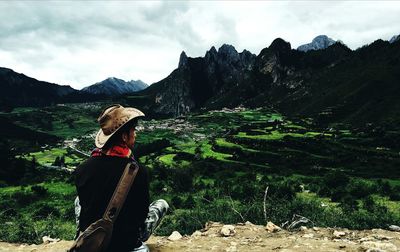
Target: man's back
(96, 180)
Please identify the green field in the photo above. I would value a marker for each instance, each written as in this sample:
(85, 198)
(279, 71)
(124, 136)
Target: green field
(215, 166)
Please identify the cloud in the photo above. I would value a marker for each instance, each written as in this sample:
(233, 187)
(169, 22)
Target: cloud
(80, 43)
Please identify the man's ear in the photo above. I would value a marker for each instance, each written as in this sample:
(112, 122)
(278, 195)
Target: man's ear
(125, 137)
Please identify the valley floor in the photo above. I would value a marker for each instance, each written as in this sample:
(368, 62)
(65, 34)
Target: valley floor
(249, 237)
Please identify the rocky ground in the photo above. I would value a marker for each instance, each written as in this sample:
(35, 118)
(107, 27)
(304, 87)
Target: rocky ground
(249, 237)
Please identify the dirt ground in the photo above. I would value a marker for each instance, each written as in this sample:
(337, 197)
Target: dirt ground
(249, 237)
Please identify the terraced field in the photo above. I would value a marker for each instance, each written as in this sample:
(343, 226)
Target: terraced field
(217, 166)
(262, 139)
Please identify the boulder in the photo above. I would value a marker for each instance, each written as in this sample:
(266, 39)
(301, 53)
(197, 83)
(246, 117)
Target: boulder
(228, 230)
(175, 236)
(272, 228)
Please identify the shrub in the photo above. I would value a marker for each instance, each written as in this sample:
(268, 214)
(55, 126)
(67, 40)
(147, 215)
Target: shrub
(39, 191)
(395, 193)
(336, 179)
(182, 180)
(360, 189)
(43, 210)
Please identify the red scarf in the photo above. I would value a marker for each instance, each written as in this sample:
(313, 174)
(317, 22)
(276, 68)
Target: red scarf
(118, 150)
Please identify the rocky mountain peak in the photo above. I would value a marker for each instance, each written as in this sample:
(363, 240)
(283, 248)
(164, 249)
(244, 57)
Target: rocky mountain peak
(227, 49)
(394, 38)
(228, 52)
(211, 54)
(280, 45)
(318, 43)
(183, 59)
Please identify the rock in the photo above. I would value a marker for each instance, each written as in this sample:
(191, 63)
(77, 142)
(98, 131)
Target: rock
(48, 239)
(338, 234)
(196, 234)
(175, 236)
(394, 228)
(303, 228)
(248, 223)
(228, 230)
(272, 228)
(315, 229)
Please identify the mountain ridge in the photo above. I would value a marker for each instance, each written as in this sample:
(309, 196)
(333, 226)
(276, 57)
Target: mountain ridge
(286, 79)
(113, 86)
(21, 90)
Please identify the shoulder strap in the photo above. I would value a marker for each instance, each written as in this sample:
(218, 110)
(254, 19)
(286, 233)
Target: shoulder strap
(121, 191)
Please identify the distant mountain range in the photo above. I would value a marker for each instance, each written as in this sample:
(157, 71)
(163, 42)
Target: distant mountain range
(333, 83)
(318, 43)
(323, 79)
(114, 87)
(20, 90)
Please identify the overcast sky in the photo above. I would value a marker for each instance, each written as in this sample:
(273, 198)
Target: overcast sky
(81, 43)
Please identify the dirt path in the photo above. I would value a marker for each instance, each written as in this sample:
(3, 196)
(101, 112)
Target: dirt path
(249, 237)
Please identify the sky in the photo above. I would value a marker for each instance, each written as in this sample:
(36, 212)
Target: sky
(79, 43)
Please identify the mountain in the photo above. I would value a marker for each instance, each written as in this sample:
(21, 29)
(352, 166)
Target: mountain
(318, 43)
(196, 81)
(20, 90)
(114, 87)
(333, 84)
(394, 39)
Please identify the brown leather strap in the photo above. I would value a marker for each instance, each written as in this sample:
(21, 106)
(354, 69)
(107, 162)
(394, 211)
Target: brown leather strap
(121, 191)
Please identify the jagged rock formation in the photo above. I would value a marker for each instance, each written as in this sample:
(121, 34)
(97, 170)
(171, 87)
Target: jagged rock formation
(318, 43)
(250, 237)
(196, 80)
(331, 84)
(114, 86)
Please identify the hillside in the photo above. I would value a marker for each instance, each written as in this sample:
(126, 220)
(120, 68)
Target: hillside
(20, 90)
(249, 237)
(335, 84)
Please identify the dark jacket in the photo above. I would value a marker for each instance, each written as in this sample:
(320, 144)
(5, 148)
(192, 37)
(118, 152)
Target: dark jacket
(96, 180)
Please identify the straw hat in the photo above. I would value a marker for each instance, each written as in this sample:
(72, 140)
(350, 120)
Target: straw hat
(112, 119)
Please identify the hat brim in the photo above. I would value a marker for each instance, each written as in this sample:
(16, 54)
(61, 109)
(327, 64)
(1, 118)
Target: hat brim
(101, 138)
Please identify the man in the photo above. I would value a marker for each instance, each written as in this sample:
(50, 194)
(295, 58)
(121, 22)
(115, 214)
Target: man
(97, 178)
